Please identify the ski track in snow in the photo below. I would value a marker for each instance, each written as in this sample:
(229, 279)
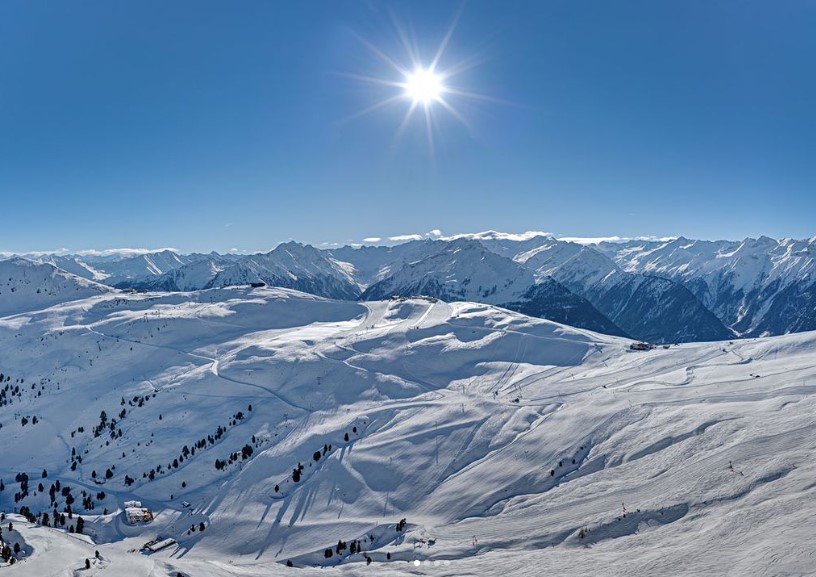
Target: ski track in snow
(516, 445)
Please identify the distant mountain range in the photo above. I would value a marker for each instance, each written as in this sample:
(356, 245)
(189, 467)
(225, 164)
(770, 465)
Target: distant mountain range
(677, 290)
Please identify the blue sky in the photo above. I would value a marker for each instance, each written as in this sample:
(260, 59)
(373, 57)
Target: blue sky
(216, 125)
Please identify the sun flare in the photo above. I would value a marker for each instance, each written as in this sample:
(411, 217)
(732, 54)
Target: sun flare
(427, 87)
(424, 87)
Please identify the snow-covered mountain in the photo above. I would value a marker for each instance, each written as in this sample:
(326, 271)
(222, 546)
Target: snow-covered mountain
(646, 307)
(266, 427)
(371, 264)
(27, 285)
(464, 270)
(292, 265)
(755, 286)
(120, 270)
(678, 290)
(289, 265)
(194, 275)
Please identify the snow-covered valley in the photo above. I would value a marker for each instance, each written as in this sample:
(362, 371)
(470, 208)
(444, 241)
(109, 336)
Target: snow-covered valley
(281, 423)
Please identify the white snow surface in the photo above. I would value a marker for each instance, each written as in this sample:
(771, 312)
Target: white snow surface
(465, 270)
(748, 264)
(518, 446)
(28, 285)
(118, 266)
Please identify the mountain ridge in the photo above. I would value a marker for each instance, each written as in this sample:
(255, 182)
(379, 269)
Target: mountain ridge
(661, 290)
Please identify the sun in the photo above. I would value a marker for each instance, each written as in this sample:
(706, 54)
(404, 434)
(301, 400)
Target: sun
(427, 88)
(424, 86)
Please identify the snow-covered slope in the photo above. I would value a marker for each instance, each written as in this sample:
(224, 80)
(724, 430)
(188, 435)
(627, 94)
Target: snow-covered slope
(664, 291)
(756, 286)
(120, 270)
(646, 307)
(194, 275)
(371, 264)
(509, 444)
(465, 270)
(26, 285)
(458, 270)
(76, 266)
(290, 265)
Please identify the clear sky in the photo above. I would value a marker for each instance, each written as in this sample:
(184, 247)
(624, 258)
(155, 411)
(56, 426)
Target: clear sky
(208, 125)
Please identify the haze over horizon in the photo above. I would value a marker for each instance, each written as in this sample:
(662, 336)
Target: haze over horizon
(390, 240)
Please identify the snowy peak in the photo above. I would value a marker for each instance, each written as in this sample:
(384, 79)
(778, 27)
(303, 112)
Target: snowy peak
(291, 265)
(461, 269)
(571, 263)
(646, 307)
(121, 269)
(465, 270)
(370, 264)
(751, 287)
(192, 276)
(27, 285)
(739, 282)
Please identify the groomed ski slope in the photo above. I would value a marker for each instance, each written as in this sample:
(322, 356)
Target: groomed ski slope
(516, 445)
